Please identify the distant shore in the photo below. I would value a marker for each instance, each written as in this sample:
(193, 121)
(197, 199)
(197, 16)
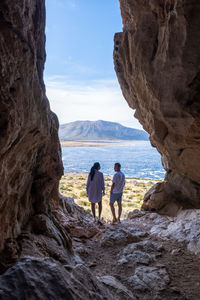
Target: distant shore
(95, 143)
(82, 173)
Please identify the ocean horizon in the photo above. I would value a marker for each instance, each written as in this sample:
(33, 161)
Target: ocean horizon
(137, 158)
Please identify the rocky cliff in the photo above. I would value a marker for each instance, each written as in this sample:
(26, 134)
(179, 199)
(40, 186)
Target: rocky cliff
(157, 61)
(30, 158)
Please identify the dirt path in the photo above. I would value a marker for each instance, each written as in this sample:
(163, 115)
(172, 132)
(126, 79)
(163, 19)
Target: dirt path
(182, 267)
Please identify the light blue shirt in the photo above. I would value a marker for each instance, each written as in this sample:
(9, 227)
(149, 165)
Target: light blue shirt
(119, 181)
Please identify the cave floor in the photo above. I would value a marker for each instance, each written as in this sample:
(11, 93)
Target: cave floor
(108, 254)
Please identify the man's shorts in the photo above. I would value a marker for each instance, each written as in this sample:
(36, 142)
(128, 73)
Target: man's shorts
(116, 197)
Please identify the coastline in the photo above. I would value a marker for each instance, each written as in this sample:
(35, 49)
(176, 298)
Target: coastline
(96, 143)
(139, 179)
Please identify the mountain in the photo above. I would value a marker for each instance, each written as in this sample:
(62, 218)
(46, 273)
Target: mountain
(99, 130)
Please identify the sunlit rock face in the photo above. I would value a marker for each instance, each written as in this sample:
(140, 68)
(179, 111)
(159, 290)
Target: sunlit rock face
(36, 225)
(30, 160)
(157, 61)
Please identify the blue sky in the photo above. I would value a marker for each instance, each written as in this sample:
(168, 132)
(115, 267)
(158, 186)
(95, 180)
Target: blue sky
(79, 74)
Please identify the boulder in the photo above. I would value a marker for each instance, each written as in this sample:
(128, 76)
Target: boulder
(44, 278)
(184, 228)
(136, 213)
(121, 236)
(141, 253)
(158, 199)
(75, 219)
(149, 279)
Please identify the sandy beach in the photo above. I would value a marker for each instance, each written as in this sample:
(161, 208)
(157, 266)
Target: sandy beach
(94, 143)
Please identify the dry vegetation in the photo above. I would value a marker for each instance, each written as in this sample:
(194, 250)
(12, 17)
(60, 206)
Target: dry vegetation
(74, 185)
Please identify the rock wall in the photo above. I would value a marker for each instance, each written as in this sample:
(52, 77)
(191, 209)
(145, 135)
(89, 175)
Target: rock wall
(30, 157)
(157, 61)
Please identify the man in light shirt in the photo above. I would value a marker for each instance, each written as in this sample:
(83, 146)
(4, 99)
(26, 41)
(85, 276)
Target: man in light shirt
(116, 191)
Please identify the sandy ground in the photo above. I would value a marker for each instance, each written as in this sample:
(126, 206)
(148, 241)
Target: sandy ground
(93, 143)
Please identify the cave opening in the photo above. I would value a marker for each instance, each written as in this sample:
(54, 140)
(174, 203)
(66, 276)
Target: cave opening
(50, 248)
(96, 123)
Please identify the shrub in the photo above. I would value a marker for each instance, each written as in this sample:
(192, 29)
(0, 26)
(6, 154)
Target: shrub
(84, 203)
(128, 188)
(81, 178)
(83, 194)
(130, 204)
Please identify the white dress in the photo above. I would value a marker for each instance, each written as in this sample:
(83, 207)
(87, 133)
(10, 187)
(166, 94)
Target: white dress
(95, 187)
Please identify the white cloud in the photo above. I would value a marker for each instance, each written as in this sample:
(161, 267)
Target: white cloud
(63, 3)
(94, 100)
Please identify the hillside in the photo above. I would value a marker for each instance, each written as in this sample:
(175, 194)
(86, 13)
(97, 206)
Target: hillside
(99, 130)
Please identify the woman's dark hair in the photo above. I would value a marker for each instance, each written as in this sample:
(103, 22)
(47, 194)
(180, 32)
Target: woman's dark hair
(96, 166)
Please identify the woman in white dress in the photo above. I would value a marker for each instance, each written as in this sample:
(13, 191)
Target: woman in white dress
(95, 188)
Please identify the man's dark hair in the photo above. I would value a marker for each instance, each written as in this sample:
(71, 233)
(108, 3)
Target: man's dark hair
(118, 164)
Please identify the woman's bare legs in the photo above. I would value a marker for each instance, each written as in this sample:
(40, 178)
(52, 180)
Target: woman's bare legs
(100, 208)
(93, 210)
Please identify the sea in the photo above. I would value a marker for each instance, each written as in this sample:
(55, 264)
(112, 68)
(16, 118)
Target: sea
(137, 158)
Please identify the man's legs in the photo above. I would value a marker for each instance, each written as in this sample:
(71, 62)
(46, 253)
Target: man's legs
(93, 210)
(119, 210)
(100, 208)
(113, 211)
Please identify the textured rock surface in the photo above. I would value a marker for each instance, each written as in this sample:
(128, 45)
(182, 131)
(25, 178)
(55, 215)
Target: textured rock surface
(75, 219)
(158, 266)
(121, 236)
(37, 260)
(158, 199)
(149, 280)
(41, 263)
(157, 61)
(44, 278)
(184, 228)
(119, 290)
(30, 160)
(144, 252)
